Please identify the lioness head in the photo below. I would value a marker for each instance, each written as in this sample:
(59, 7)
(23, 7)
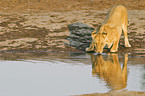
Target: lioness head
(99, 39)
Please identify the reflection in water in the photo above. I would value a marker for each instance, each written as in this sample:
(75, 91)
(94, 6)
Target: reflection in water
(110, 70)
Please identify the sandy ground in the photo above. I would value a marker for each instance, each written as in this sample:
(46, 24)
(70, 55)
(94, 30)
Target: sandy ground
(47, 31)
(42, 25)
(27, 27)
(121, 93)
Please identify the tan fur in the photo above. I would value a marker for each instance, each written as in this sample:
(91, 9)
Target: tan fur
(110, 31)
(110, 70)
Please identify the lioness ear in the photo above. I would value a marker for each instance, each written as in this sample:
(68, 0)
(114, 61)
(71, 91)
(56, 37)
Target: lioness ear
(104, 28)
(101, 29)
(94, 34)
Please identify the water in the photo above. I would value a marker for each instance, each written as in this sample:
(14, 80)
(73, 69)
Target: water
(64, 74)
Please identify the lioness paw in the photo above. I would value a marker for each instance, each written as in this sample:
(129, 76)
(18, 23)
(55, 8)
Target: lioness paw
(128, 45)
(113, 50)
(88, 49)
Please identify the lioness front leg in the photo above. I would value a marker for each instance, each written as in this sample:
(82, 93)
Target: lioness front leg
(91, 47)
(115, 46)
(116, 40)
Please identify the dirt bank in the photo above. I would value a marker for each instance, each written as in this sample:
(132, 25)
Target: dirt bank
(42, 25)
(47, 31)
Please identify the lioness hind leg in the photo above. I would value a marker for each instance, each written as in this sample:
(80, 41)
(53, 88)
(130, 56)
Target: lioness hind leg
(91, 47)
(126, 37)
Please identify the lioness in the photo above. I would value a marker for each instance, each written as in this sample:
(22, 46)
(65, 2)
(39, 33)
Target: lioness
(110, 31)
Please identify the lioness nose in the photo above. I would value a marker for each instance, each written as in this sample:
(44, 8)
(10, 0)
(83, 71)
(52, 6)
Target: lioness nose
(98, 52)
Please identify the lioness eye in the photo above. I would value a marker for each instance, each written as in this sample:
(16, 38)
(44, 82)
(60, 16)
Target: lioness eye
(101, 43)
(104, 33)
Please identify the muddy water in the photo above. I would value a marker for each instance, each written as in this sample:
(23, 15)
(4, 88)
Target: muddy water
(63, 74)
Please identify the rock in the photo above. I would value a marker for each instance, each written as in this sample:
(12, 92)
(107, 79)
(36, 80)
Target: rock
(80, 35)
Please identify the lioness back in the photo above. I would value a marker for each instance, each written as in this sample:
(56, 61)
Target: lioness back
(117, 16)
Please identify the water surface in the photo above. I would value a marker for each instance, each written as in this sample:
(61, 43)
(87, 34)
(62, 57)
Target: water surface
(63, 74)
